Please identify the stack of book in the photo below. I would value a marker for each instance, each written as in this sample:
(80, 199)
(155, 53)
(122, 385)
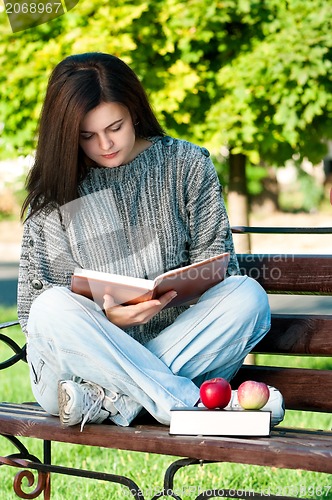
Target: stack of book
(206, 422)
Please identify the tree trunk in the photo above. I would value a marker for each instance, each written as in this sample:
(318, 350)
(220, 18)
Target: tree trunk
(237, 200)
(267, 202)
(238, 209)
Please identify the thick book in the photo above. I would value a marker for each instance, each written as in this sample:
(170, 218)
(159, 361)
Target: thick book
(190, 282)
(206, 422)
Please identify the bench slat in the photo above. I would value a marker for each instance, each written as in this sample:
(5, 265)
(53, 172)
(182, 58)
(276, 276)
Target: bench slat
(285, 448)
(289, 273)
(298, 334)
(297, 385)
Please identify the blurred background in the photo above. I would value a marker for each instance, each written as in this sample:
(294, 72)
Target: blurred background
(249, 80)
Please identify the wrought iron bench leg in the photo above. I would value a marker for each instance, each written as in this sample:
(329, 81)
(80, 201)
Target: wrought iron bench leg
(212, 493)
(25, 460)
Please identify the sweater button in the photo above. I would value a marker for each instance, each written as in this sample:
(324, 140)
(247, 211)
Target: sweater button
(37, 284)
(31, 242)
(167, 141)
(205, 152)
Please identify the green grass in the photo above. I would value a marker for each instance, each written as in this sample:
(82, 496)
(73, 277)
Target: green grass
(147, 469)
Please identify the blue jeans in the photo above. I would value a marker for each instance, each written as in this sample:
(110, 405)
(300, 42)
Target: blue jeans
(69, 335)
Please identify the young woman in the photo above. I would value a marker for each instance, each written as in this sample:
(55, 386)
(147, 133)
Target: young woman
(110, 192)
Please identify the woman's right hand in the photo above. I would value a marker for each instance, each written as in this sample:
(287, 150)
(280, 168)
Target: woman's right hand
(138, 314)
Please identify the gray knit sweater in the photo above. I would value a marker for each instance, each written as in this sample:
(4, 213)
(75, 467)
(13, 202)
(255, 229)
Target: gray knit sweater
(161, 211)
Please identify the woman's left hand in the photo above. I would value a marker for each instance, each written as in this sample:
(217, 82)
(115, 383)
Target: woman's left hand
(138, 314)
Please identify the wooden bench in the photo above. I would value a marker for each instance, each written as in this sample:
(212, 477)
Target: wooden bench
(303, 389)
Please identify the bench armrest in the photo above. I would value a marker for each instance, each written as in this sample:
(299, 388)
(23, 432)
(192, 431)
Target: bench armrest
(20, 352)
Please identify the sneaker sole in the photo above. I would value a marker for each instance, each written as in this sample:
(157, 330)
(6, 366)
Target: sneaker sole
(63, 399)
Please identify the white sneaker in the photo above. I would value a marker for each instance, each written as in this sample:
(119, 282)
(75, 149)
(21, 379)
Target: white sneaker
(275, 405)
(81, 402)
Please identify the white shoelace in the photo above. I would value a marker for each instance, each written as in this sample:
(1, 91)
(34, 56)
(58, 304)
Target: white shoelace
(95, 394)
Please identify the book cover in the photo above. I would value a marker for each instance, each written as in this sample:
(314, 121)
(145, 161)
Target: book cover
(190, 282)
(202, 421)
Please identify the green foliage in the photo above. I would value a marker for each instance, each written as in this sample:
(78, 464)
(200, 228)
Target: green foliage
(303, 195)
(312, 193)
(255, 176)
(253, 76)
(275, 97)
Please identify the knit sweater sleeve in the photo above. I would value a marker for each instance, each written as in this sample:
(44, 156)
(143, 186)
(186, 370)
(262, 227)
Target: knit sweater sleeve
(210, 232)
(46, 260)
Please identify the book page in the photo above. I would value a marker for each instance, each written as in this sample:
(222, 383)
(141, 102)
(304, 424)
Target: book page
(115, 278)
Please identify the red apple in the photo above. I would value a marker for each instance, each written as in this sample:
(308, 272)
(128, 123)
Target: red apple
(253, 395)
(215, 393)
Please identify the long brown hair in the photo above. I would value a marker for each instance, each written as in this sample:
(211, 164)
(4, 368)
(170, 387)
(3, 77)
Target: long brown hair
(77, 85)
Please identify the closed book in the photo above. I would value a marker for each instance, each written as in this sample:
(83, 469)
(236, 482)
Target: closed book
(190, 282)
(206, 422)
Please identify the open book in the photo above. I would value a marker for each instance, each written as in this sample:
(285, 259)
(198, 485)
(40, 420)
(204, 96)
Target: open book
(190, 282)
(200, 420)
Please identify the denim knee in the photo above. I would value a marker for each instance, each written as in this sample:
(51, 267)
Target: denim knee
(257, 301)
(58, 303)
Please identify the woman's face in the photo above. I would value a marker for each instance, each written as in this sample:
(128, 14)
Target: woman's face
(107, 135)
